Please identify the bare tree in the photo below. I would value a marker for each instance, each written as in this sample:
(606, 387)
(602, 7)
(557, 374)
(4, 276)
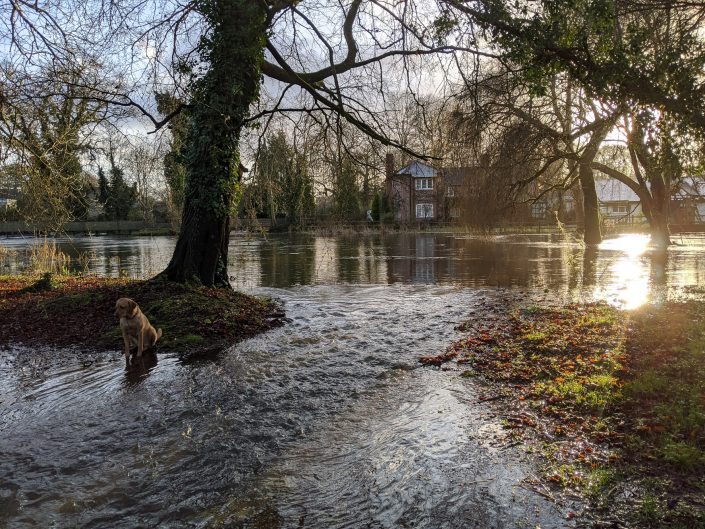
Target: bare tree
(339, 60)
(46, 133)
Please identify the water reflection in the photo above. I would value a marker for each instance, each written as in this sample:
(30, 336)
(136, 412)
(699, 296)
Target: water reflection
(285, 262)
(322, 423)
(623, 270)
(140, 368)
(628, 283)
(589, 271)
(348, 259)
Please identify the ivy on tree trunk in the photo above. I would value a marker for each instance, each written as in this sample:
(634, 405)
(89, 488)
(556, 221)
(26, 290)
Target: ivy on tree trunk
(233, 50)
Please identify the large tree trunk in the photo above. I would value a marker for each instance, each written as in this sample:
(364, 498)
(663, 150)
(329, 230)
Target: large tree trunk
(660, 232)
(656, 217)
(660, 190)
(591, 206)
(657, 207)
(592, 234)
(221, 100)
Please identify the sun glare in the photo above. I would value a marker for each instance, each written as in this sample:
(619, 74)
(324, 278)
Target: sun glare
(632, 244)
(628, 285)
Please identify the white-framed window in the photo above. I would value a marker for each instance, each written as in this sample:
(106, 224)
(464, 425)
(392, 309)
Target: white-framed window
(621, 208)
(424, 211)
(538, 210)
(450, 192)
(424, 183)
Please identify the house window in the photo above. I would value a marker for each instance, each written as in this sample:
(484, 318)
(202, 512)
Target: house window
(424, 211)
(538, 210)
(619, 209)
(450, 192)
(424, 183)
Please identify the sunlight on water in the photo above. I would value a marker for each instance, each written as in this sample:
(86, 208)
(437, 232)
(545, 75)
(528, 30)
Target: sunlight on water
(629, 286)
(625, 271)
(633, 244)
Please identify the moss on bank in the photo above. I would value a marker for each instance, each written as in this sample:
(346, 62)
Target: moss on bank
(614, 401)
(68, 310)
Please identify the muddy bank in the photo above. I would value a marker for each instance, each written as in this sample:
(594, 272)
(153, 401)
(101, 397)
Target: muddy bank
(613, 401)
(65, 311)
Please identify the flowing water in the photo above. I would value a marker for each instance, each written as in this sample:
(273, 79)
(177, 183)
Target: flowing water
(326, 422)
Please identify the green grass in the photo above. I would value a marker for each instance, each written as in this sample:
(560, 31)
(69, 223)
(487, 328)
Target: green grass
(599, 317)
(667, 386)
(599, 482)
(619, 398)
(536, 336)
(683, 455)
(193, 339)
(649, 511)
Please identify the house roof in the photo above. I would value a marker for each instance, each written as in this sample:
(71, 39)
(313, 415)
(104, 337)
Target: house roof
(456, 176)
(610, 190)
(418, 169)
(690, 187)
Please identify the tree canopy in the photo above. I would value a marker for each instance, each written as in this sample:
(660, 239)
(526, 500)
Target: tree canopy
(232, 65)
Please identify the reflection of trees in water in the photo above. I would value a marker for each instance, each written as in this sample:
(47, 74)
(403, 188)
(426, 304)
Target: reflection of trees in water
(590, 254)
(572, 257)
(658, 278)
(417, 258)
(373, 264)
(107, 256)
(348, 250)
(659, 264)
(290, 261)
(141, 257)
(474, 261)
(520, 261)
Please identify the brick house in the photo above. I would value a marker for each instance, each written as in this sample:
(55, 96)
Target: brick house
(420, 192)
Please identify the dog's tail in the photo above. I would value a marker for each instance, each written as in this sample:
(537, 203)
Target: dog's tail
(159, 334)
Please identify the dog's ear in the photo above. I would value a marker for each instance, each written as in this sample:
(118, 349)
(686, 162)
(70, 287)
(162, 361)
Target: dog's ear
(132, 308)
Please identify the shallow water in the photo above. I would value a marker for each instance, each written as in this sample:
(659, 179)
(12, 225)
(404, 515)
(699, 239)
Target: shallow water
(623, 270)
(326, 422)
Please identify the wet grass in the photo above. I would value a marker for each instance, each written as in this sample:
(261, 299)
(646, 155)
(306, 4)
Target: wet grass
(613, 400)
(79, 311)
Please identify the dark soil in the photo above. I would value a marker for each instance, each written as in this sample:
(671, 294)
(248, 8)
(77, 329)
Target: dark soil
(67, 311)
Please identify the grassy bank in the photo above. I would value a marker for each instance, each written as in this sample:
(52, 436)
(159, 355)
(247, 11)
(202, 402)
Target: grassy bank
(69, 311)
(613, 401)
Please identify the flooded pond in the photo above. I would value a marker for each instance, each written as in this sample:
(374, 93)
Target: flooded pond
(325, 422)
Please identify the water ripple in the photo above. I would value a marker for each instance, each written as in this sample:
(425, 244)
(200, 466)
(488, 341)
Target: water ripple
(327, 419)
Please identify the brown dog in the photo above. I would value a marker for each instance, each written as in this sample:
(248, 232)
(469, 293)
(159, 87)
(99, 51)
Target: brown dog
(136, 329)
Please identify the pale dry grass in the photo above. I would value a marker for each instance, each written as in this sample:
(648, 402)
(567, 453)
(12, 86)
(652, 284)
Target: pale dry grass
(8, 257)
(45, 256)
